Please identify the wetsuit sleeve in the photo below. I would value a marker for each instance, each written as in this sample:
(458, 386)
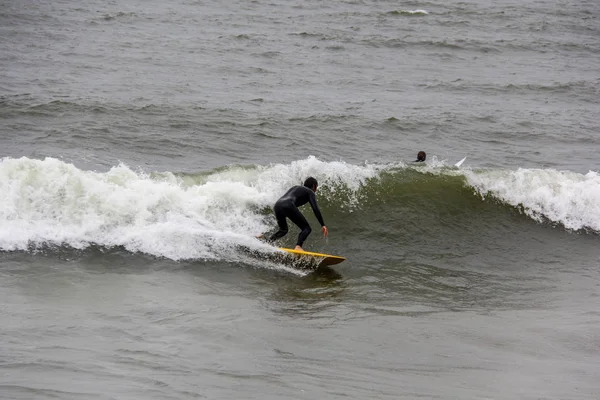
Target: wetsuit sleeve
(312, 198)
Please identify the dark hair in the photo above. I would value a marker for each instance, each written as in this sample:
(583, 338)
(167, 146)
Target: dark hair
(311, 182)
(421, 156)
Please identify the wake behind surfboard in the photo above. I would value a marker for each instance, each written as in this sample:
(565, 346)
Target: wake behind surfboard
(304, 260)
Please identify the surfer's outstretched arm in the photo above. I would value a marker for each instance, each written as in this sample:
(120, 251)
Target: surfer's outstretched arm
(313, 203)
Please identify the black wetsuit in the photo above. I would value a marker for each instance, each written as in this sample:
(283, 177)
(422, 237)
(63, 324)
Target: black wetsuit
(287, 207)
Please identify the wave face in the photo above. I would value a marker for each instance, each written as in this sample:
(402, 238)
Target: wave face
(206, 215)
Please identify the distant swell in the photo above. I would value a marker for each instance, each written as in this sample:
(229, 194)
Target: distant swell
(415, 13)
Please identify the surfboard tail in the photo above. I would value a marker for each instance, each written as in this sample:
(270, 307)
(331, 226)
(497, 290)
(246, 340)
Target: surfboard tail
(458, 164)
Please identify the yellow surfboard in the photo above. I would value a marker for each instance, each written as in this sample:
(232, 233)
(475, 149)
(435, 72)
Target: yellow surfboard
(319, 259)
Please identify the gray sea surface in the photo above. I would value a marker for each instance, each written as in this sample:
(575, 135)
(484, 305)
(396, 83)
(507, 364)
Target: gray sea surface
(144, 144)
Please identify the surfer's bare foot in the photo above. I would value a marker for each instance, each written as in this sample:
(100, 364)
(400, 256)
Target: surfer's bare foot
(298, 248)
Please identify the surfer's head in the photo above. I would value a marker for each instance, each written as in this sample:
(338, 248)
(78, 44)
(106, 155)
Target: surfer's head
(311, 183)
(421, 156)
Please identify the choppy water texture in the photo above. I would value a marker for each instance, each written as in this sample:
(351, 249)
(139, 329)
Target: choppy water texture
(144, 144)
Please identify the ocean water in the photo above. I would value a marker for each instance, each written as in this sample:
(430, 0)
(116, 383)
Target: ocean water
(143, 145)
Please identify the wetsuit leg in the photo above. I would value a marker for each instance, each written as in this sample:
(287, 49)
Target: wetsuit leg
(289, 210)
(280, 215)
(297, 218)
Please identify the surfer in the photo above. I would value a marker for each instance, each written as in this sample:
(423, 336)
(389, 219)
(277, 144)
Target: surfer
(287, 207)
(421, 156)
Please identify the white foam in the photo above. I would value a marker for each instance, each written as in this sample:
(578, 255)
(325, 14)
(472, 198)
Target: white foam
(50, 202)
(564, 197)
